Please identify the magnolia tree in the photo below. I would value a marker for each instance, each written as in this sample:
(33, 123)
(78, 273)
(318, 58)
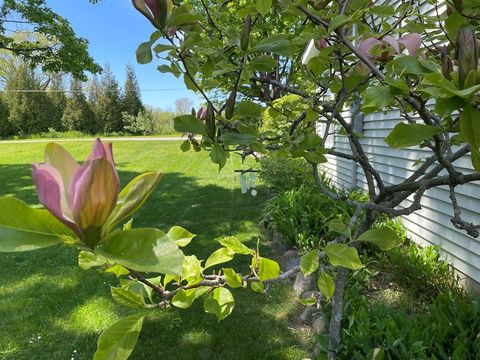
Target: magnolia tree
(245, 60)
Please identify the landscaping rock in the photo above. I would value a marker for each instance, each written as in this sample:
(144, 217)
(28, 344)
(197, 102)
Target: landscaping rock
(302, 283)
(291, 259)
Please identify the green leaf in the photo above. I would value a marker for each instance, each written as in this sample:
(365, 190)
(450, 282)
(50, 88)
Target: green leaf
(88, 259)
(315, 157)
(309, 262)
(218, 155)
(236, 138)
(181, 16)
(233, 279)
(309, 301)
(309, 142)
(192, 269)
(408, 65)
(127, 297)
(189, 124)
(219, 302)
(278, 44)
(185, 146)
(405, 135)
(385, 238)
(118, 341)
(183, 299)
(139, 287)
(133, 196)
(219, 256)
(23, 228)
(453, 24)
(263, 63)
(267, 269)
(338, 21)
(376, 99)
(318, 65)
(343, 255)
(236, 246)
(263, 6)
(159, 48)
(145, 249)
(118, 270)
(326, 285)
(336, 225)
(258, 287)
(144, 53)
(470, 130)
(181, 236)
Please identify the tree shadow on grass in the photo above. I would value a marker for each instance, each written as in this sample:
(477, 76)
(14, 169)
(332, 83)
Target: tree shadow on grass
(44, 292)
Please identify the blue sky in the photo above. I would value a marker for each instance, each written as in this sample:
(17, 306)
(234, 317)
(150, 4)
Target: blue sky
(114, 29)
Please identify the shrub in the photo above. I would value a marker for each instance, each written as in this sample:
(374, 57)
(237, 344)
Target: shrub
(282, 174)
(302, 216)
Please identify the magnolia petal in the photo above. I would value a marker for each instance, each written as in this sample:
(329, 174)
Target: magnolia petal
(367, 45)
(390, 40)
(59, 158)
(98, 151)
(412, 42)
(153, 6)
(101, 150)
(93, 194)
(143, 8)
(49, 185)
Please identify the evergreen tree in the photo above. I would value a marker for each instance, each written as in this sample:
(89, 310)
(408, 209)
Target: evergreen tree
(108, 107)
(78, 115)
(58, 100)
(29, 111)
(94, 92)
(6, 128)
(131, 100)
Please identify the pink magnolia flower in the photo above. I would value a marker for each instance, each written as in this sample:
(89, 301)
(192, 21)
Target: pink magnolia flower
(411, 42)
(80, 196)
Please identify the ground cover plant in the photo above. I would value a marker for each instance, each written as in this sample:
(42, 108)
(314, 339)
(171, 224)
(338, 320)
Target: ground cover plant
(53, 309)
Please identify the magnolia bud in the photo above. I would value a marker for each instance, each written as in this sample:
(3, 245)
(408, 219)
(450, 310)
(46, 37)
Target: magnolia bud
(245, 35)
(447, 64)
(201, 113)
(230, 105)
(321, 43)
(210, 120)
(467, 55)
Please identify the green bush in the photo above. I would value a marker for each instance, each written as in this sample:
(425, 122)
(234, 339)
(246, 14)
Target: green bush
(149, 122)
(302, 216)
(282, 174)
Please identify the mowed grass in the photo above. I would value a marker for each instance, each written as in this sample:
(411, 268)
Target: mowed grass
(52, 309)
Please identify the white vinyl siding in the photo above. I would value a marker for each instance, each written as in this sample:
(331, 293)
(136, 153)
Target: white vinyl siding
(430, 225)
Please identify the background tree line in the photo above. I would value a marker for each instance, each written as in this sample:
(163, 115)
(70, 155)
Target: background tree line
(34, 102)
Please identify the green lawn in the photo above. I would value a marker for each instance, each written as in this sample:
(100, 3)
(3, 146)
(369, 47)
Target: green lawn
(52, 309)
